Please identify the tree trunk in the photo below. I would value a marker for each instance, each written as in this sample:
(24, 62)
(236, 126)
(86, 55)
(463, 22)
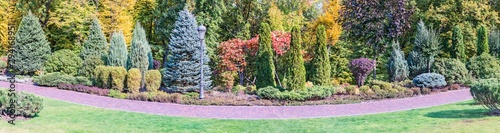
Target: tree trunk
(165, 54)
(375, 66)
(429, 66)
(241, 77)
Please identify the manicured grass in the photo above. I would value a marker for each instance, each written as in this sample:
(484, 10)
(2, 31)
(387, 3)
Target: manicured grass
(59, 116)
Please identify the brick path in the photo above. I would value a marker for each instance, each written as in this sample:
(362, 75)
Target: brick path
(248, 112)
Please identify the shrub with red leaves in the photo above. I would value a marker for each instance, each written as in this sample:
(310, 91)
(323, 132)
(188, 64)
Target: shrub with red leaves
(360, 69)
(281, 42)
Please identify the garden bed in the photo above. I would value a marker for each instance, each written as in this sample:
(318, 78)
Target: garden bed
(240, 98)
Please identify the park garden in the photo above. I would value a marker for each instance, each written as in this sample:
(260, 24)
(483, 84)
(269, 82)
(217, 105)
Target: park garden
(253, 52)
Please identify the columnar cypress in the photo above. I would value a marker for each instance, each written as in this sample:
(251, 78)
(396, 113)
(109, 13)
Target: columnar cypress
(95, 45)
(458, 46)
(182, 70)
(321, 62)
(296, 72)
(494, 42)
(397, 65)
(31, 48)
(265, 64)
(482, 41)
(117, 50)
(139, 49)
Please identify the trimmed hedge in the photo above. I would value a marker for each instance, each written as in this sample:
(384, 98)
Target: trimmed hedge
(134, 78)
(28, 105)
(110, 77)
(56, 78)
(429, 80)
(153, 80)
(101, 77)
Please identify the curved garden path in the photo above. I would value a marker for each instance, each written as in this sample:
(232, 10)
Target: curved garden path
(248, 112)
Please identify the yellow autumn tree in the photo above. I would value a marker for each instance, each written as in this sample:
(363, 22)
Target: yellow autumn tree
(7, 16)
(117, 15)
(70, 18)
(329, 20)
(275, 18)
(3, 23)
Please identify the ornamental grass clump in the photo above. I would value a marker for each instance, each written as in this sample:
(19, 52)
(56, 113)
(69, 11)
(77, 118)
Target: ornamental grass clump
(429, 80)
(487, 93)
(360, 69)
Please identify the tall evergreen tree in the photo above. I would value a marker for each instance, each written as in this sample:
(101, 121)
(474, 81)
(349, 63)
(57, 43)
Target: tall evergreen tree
(95, 45)
(182, 70)
(494, 42)
(482, 41)
(31, 48)
(458, 46)
(296, 72)
(321, 62)
(265, 64)
(397, 65)
(117, 50)
(209, 13)
(139, 49)
(167, 13)
(425, 49)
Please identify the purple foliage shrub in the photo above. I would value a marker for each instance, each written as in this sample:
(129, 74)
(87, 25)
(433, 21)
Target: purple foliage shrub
(84, 89)
(156, 64)
(360, 69)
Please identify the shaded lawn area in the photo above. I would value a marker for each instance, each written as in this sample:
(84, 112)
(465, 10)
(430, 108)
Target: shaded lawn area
(60, 116)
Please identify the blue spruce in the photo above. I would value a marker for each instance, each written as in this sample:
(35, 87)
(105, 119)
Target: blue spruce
(31, 48)
(182, 70)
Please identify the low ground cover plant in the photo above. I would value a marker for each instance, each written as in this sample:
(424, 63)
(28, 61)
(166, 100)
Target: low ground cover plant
(56, 78)
(28, 105)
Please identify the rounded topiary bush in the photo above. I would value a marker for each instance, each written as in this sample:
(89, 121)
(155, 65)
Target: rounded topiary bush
(64, 61)
(452, 69)
(134, 78)
(487, 92)
(153, 80)
(429, 80)
(483, 67)
(118, 75)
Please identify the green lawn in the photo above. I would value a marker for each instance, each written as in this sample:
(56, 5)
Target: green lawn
(59, 116)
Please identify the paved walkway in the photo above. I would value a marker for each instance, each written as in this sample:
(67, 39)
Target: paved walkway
(248, 112)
